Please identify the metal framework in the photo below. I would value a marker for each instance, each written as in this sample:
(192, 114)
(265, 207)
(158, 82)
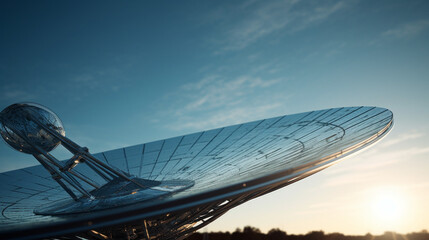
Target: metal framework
(255, 158)
(62, 172)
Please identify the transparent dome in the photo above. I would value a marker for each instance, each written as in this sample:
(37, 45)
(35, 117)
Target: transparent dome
(21, 120)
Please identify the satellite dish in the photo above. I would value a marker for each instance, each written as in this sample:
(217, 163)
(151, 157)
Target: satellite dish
(169, 188)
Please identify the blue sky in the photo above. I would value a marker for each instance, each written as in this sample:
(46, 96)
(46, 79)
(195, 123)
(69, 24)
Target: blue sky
(119, 74)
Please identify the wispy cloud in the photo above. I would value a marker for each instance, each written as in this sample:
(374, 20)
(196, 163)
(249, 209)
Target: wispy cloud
(261, 19)
(374, 162)
(387, 152)
(214, 91)
(215, 101)
(402, 138)
(350, 178)
(16, 93)
(79, 85)
(101, 79)
(85, 83)
(86, 79)
(323, 207)
(407, 30)
(229, 116)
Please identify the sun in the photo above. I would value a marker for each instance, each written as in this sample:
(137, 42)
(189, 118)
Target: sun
(387, 207)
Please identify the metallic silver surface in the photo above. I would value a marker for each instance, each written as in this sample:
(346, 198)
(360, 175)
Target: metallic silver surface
(229, 166)
(115, 194)
(16, 123)
(33, 129)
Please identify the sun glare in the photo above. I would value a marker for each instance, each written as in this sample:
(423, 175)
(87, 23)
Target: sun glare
(388, 207)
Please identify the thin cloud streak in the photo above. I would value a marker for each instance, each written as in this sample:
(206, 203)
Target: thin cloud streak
(383, 156)
(326, 206)
(14, 93)
(216, 101)
(262, 19)
(386, 154)
(369, 172)
(101, 80)
(407, 30)
(350, 179)
(401, 138)
(213, 91)
(17, 94)
(228, 117)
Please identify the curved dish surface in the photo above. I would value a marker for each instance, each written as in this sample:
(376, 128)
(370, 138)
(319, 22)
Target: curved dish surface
(245, 160)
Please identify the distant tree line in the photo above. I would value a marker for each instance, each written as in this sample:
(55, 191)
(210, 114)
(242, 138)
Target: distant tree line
(252, 233)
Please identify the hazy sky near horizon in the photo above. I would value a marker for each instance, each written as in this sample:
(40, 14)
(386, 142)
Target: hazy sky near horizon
(124, 73)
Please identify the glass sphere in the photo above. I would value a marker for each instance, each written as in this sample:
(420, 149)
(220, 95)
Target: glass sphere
(21, 127)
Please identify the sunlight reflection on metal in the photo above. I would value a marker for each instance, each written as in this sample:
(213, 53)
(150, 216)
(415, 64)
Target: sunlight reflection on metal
(229, 166)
